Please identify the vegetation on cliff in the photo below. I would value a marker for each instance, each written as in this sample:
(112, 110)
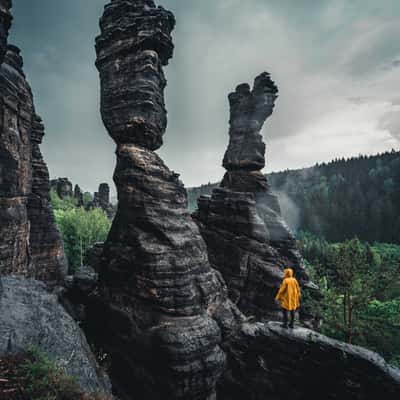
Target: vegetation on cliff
(360, 284)
(80, 228)
(339, 200)
(33, 376)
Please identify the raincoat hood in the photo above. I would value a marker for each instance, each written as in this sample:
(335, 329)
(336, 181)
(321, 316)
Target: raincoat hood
(288, 273)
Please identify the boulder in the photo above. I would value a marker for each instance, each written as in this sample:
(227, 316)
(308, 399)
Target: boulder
(269, 362)
(30, 316)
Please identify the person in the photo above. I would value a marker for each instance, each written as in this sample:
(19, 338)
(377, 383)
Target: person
(288, 297)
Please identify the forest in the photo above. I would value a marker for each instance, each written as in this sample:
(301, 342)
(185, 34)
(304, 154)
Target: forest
(346, 214)
(339, 200)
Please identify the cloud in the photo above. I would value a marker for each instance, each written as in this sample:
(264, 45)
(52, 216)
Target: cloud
(336, 65)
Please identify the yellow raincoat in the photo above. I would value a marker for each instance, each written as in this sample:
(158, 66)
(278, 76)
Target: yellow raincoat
(289, 292)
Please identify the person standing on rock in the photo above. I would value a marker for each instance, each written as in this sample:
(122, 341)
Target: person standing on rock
(288, 297)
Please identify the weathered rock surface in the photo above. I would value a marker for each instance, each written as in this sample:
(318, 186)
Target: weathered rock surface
(268, 362)
(30, 244)
(63, 188)
(241, 222)
(101, 200)
(134, 45)
(248, 111)
(159, 293)
(49, 263)
(32, 317)
(5, 24)
(15, 158)
(78, 196)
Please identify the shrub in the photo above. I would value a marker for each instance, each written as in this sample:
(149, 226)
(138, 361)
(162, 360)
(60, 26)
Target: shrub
(33, 376)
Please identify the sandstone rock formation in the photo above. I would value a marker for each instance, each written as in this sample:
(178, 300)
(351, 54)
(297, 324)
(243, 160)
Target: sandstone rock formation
(5, 24)
(47, 257)
(63, 188)
(158, 290)
(268, 362)
(32, 317)
(15, 155)
(78, 196)
(30, 243)
(241, 222)
(101, 200)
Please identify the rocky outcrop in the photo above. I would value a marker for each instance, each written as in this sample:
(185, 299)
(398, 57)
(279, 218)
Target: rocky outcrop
(159, 293)
(5, 24)
(15, 156)
(47, 256)
(32, 317)
(101, 200)
(30, 243)
(241, 222)
(63, 188)
(78, 196)
(268, 362)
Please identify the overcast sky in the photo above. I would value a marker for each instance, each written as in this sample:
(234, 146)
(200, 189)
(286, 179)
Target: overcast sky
(336, 63)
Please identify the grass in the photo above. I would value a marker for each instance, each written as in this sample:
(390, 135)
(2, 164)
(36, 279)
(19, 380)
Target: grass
(33, 376)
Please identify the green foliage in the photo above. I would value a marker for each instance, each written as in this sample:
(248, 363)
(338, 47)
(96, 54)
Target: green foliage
(346, 198)
(33, 376)
(87, 198)
(360, 287)
(81, 229)
(61, 204)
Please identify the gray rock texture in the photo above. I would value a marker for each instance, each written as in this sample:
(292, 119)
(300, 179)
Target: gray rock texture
(5, 24)
(17, 110)
(135, 43)
(63, 188)
(269, 362)
(30, 243)
(47, 257)
(78, 196)
(167, 309)
(30, 316)
(101, 200)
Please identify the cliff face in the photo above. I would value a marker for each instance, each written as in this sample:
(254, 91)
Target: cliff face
(30, 244)
(63, 188)
(269, 362)
(155, 275)
(15, 154)
(46, 246)
(101, 200)
(241, 222)
(5, 24)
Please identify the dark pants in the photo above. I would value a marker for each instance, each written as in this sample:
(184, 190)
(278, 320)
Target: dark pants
(286, 317)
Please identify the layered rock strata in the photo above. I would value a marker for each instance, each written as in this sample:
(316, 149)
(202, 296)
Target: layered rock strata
(63, 188)
(15, 156)
(30, 243)
(5, 24)
(101, 200)
(268, 362)
(78, 196)
(30, 316)
(49, 263)
(159, 291)
(241, 222)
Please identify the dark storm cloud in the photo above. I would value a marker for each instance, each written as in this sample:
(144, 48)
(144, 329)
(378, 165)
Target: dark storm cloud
(321, 54)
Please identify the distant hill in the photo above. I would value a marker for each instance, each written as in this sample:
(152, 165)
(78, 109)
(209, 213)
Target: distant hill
(359, 196)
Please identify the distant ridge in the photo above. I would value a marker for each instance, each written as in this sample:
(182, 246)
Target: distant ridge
(357, 196)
